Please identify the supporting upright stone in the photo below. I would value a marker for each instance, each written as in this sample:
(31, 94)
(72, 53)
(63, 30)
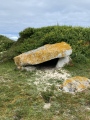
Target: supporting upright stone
(63, 61)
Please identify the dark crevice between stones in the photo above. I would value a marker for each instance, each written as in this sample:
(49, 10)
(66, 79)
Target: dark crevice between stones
(48, 64)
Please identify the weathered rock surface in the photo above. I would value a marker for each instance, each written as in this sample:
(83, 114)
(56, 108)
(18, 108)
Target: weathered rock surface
(76, 84)
(63, 61)
(43, 54)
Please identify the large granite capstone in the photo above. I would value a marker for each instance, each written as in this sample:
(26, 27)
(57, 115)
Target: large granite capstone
(43, 54)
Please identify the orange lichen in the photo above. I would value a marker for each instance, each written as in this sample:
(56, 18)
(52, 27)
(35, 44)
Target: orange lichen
(67, 81)
(78, 79)
(81, 86)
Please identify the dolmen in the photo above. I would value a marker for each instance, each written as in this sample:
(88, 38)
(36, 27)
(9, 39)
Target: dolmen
(45, 53)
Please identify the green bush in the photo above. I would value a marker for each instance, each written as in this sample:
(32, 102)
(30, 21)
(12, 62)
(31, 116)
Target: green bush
(26, 33)
(32, 38)
(5, 43)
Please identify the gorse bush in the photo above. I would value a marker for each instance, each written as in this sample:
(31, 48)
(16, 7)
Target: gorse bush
(27, 33)
(32, 38)
(5, 43)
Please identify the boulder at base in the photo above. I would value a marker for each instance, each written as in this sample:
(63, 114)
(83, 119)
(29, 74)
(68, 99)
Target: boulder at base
(76, 84)
(43, 54)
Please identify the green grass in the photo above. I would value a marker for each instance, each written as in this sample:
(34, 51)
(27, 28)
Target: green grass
(82, 69)
(21, 100)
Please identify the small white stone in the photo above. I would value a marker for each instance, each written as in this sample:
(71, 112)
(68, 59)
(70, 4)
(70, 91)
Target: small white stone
(47, 106)
(88, 108)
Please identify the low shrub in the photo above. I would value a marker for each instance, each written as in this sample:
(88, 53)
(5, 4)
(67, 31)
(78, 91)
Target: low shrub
(32, 38)
(5, 43)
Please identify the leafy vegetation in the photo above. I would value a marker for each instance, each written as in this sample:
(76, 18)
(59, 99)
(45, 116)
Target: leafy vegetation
(5, 43)
(32, 38)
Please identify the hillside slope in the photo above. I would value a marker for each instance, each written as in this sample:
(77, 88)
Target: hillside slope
(32, 38)
(5, 43)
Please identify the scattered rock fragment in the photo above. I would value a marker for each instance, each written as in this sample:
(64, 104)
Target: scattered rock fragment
(76, 84)
(47, 106)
